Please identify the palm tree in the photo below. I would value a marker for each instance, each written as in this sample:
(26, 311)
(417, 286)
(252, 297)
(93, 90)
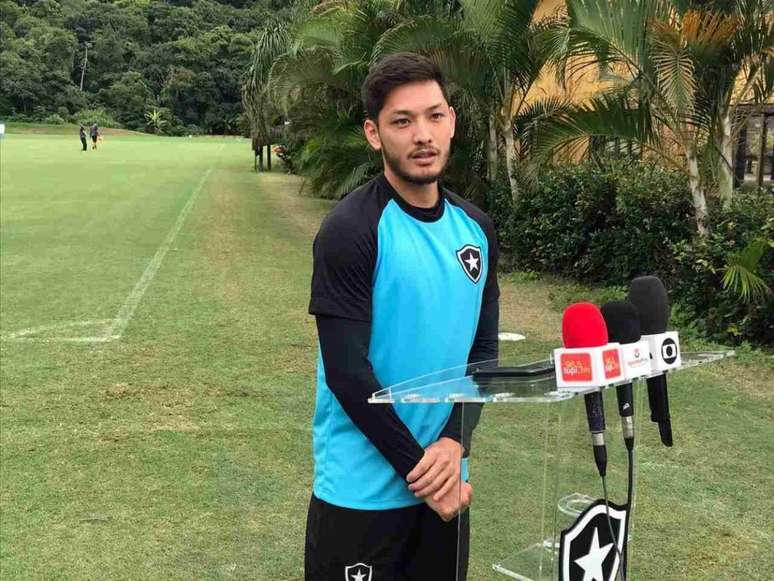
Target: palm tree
(737, 67)
(260, 110)
(492, 51)
(676, 73)
(155, 120)
(489, 50)
(309, 71)
(741, 273)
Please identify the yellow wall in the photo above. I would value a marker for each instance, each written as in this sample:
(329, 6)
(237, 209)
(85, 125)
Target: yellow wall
(577, 89)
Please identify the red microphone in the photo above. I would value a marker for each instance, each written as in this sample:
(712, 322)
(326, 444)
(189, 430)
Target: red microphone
(588, 360)
(583, 326)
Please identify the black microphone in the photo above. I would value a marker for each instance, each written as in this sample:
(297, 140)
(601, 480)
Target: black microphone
(595, 415)
(649, 296)
(623, 326)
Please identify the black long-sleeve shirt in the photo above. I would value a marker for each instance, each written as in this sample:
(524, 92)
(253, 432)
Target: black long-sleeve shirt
(394, 288)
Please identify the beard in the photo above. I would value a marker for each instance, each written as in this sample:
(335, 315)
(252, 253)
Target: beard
(400, 168)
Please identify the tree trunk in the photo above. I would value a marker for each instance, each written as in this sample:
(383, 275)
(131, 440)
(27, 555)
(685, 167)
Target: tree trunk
(510, 159)
(762, 150)
(726, 173)
(492, 149)
(740, 167)
(83, 68)
(699, 201)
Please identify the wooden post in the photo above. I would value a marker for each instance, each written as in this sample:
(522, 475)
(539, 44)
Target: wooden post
(268, 157)
(260, 158)
(740, 163)
(772, 157)
(762, 151)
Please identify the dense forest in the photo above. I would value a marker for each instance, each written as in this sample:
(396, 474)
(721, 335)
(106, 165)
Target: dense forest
(169, 67)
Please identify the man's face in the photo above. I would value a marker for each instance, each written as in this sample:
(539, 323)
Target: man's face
(414, 132)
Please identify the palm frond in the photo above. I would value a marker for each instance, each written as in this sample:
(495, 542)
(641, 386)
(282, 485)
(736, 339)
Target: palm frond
(308, 67)
(484, 17)
(602, 116)
(740, 274)
(613, 32)
(321, 31)
(673, 67)
(457, 52)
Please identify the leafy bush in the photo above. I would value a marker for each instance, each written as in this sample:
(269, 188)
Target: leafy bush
(608, 223)
(696, 276)
(128, 98)
(177, 129)
(600, 223)
(54, 119)
(499, 206)
(97, 115)
(289, 151)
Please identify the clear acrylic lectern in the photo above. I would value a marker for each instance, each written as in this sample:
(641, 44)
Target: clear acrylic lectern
(542, 473)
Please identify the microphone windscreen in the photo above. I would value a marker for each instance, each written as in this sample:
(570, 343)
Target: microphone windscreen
(648, 295)
(622, 320)
(583, 326)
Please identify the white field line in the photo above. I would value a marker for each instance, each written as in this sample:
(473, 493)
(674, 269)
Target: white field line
(126, 312)
(511, 337)
(31, 333)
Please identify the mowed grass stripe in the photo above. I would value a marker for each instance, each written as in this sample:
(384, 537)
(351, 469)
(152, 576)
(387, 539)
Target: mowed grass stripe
(162, 420)
(77, 236)
(130, 305)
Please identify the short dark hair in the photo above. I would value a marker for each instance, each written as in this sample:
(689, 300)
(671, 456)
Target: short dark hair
(393, 71)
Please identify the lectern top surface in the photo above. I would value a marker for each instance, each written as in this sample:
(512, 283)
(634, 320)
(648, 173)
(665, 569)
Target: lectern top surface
(505, 381)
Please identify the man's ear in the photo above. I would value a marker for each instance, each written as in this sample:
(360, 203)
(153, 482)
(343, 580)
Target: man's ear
(452, 119)
(372, 134)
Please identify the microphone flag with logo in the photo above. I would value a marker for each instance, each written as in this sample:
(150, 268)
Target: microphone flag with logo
(588, 360)
(623, 326)
(649, 296)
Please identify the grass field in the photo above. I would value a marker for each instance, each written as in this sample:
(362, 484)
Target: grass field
(157, 384)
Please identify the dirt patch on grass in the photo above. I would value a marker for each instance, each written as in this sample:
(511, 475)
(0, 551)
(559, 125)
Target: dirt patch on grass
(224, 248)
(303, 212)
(42, 129)
(752, 379)
(175, 423)
(525, 308)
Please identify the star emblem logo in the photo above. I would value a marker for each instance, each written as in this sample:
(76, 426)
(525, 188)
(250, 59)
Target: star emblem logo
(469, 257)
(589, 549)
(592, 562)
(358, 572)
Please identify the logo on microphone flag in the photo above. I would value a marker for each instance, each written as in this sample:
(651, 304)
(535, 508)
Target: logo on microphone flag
(669, 351)
(588, 550)
(612, 363)
(576, 366)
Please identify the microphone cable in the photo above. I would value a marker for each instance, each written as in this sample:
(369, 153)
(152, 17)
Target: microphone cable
(621, 574)
(629, 508)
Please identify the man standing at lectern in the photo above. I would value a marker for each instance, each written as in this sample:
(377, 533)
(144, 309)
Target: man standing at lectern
(404, 284)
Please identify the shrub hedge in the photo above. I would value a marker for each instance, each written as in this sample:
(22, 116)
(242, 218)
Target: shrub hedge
(610, 221)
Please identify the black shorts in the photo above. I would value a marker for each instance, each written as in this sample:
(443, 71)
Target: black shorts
(403, 544)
